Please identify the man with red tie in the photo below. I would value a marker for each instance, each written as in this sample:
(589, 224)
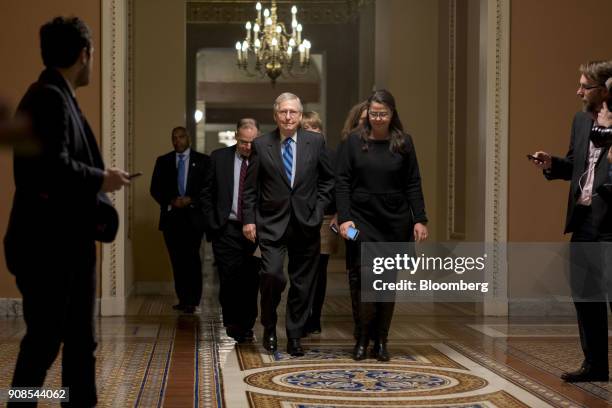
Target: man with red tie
(222, 201)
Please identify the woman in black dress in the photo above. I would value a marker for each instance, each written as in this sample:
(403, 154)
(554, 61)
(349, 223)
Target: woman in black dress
(378, 191)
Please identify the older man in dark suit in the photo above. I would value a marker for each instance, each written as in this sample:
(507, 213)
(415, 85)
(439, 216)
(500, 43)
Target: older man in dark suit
(222, 201)
(50, 242)
(589, 219)
(177, 183)
(288, 185)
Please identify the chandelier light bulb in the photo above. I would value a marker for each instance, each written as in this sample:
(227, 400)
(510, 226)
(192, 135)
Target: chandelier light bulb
(291, 42)
(256, 28)
(294, 23)
(245, 46)
(268, 21)
(238, 46)
(301, 48)
(248, 25)
(258, 6)
(294, 10)
(198, 116)
(257, 43)
(266, 13)
(299, 28)
(289, 50)
(306, 44)
(278, 29)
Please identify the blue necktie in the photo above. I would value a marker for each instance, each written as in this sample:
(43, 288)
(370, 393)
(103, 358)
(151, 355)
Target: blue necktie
(181, 174)
(288, 158)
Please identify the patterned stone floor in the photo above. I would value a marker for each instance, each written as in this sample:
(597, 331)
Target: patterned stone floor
(444, 355)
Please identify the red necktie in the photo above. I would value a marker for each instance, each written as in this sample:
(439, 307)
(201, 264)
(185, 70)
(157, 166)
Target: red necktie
(243, 171)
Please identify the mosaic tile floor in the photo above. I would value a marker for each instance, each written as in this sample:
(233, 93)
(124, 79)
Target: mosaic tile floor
(443, 355)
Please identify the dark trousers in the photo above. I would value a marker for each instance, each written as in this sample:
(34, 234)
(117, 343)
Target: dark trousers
(238, 273)
(184, 249)
(58, 307)
(589, 264)
(319, 291)
(303, 248)
(372, 319)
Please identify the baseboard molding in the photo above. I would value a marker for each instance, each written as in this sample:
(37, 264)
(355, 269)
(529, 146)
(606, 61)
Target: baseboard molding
(153, 288)
(541, 308)
(112, 306)
(11, 307)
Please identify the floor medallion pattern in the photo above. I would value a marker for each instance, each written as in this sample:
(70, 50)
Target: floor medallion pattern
(492, 400)
(369, 381)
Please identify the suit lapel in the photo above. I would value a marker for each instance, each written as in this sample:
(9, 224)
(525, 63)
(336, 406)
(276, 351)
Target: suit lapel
(302, 149)
(274, 150)
(582, 155)
(191, 170)
(228, 167)
(173, 172)
(74, 113)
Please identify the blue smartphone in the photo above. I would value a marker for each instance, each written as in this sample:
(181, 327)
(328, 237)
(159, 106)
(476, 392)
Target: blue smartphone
(352, 233)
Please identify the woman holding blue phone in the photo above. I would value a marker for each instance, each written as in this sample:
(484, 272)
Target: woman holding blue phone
(379, 199)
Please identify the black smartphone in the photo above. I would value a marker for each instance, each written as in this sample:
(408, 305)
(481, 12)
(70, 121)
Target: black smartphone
(334, 228)
(134, 175)
(532, 157)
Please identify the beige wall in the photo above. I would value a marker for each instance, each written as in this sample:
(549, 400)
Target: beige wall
(20, 21)
(549, 40)
(407, 65)
(159, 105)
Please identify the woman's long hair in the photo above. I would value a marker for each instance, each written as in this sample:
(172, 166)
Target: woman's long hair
(396, 129)
(352, 119)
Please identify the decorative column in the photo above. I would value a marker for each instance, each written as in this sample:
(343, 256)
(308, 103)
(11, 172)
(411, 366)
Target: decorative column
(115, 114)
(494, 100)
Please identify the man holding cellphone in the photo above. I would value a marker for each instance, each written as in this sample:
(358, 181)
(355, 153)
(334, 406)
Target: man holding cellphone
(588, 219)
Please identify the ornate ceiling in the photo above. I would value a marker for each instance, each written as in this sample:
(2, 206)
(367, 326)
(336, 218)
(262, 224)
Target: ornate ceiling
(311, 11)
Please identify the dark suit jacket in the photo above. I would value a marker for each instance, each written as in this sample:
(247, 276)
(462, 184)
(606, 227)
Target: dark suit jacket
(572, 167)
(219, 191)
(269, 199)
(56, 189)
(164, 188)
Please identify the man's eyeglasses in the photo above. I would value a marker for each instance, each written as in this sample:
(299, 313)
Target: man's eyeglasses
(379, 115)
(290, 113)
(588, 87)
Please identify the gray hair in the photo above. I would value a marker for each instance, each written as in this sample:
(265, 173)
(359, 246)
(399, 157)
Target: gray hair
(247, 122)
(287, 96)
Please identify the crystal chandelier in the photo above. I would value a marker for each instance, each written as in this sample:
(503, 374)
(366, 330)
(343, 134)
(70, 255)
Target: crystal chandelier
(273, 48)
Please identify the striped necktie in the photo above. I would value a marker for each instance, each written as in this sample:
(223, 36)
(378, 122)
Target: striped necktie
(288, 158)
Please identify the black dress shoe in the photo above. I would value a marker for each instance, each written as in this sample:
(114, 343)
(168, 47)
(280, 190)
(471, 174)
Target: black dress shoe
(294, 348)
(189, 309)
(360, 349)
(379, 351)
(270, 342)
(586, 374)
